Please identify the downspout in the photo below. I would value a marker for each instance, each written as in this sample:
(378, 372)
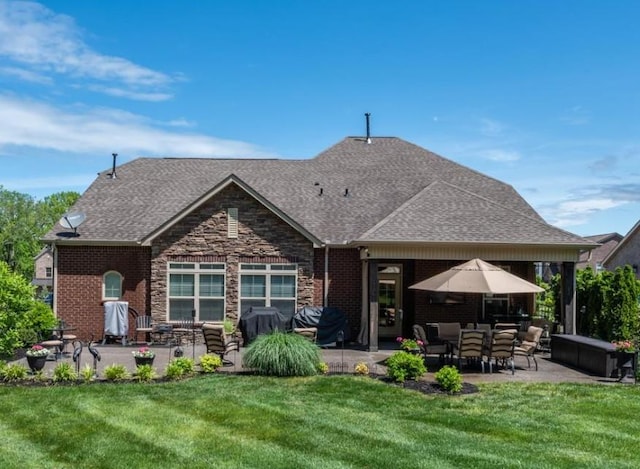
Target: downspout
(54, 279)
(325, 285)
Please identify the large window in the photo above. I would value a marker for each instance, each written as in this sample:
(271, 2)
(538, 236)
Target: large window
(268, 285)
(198, 287)
(111, 285)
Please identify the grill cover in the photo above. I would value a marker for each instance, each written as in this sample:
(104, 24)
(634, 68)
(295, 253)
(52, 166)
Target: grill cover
(262, 320)
(329, 322)
(116, 319)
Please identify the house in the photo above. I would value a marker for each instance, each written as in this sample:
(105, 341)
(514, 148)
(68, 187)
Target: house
(43, 272)
(627, 252)
(351, 228)
(595, 257)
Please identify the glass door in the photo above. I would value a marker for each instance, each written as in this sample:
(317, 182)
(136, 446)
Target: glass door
(389, 301)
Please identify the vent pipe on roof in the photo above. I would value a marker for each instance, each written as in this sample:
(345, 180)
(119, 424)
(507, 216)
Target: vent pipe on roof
(112, 174)
(367, 115)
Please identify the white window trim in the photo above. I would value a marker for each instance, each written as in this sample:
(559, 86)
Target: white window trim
(196, 271)
(269, 270)
(104, 285)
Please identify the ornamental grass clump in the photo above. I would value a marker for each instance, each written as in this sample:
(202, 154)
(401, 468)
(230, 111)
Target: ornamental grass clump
(281, 354)
(13, 372)
(145, 373)
(64, 373)
(115, 372)
(404, 365)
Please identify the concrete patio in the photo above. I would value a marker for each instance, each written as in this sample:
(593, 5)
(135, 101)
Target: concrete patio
(340, 360)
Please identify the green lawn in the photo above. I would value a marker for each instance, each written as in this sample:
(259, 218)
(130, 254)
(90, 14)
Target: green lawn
(329, 422)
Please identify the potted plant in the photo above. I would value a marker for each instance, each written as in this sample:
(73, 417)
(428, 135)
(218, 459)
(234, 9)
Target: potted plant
(143, 356)
(626, 353)
(410, 345)
(37, 357)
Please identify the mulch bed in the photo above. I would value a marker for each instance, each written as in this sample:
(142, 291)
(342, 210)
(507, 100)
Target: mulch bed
(429, 387)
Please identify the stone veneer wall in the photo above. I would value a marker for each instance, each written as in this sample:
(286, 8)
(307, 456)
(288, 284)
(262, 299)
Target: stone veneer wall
(202, 236)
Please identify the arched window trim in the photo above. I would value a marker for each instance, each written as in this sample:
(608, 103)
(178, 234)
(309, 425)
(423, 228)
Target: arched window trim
(104, 285)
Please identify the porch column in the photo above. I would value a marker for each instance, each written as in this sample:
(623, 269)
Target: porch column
(363, 334)
(568, 304)
(373, 306)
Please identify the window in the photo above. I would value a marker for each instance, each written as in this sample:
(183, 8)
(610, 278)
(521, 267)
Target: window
(48, 272)
(268, 285)
(111, 285)
(496, 306)
(199, 287)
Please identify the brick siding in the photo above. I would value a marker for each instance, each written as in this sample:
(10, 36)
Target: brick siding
(79, 284)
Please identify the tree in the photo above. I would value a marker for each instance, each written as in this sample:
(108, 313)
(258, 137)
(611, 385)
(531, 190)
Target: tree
(621, 303)
(610, 302)
(23, 221)
(22, 318)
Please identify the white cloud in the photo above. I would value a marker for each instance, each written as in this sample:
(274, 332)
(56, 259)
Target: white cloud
(491, 127)
(26, 75)
(499, 155)
(32, 124)
(135, 95)
(34, 36)
(577, 115)
(57, 183)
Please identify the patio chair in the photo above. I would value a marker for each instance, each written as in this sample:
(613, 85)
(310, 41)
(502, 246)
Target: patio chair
(529, 345)
(144, 324)
(310, 333)
(428, 348)
(501, 347)
(470, 346)
(216, 341)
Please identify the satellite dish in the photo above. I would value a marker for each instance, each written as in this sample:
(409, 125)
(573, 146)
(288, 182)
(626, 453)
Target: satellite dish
(72, 220)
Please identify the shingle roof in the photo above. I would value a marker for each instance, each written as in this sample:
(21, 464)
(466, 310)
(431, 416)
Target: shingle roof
(387, 190)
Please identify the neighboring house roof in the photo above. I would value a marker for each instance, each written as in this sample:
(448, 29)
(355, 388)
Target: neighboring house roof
(389, 190)
(43, 251)
(607, 243)
(632, 234)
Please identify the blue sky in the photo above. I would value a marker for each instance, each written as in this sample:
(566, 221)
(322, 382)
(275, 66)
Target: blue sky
(542, 95)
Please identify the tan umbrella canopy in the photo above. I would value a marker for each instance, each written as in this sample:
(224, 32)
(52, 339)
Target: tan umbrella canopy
(477, 276)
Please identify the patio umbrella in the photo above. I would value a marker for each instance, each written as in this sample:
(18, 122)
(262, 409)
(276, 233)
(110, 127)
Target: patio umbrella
(477, 276)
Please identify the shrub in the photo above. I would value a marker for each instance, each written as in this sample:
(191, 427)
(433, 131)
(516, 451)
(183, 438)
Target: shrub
(449, 378)
(22, 317)
(145, 373)
(115, 372)
(361, 368)
(404, 365)
(180, 367)
(323, 368)
(87, 374)
(209, 363)
(281, 354)
(13, 372)
(64, 372)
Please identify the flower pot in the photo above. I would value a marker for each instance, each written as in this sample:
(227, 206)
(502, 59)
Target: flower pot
(144, 360)
(36, 363)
